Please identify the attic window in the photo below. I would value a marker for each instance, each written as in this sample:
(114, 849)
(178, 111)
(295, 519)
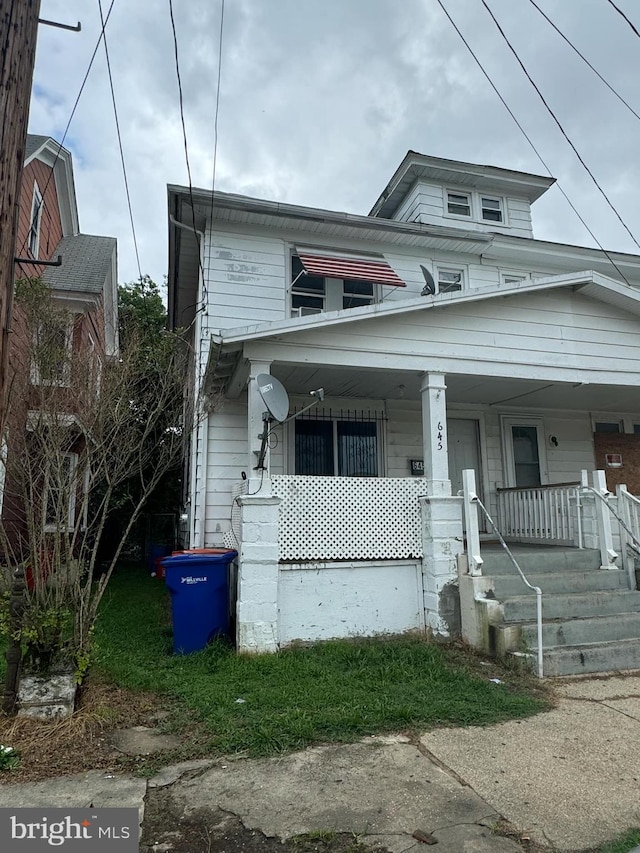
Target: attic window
(459, 204)
(491, 209)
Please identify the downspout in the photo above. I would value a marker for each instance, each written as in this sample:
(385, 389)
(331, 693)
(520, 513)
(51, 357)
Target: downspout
(198, 490)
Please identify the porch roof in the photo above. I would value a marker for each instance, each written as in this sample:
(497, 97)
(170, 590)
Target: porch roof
(588, 282)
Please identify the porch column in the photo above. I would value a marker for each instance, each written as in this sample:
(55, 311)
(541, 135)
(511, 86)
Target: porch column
(434, 434)
(258, 572)
(255, 410)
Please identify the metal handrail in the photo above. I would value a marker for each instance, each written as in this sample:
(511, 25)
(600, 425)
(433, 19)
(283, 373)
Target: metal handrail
(621, 521)
(536, 589)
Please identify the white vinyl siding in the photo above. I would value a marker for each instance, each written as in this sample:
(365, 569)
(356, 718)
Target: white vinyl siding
(245, 279)
(427, 203)
(550, 335)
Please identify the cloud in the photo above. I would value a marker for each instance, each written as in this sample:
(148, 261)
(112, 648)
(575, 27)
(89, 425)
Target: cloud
(320, 101)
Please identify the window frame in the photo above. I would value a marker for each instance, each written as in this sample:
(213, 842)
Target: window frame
(35, 220)
(334, 293)
(476, 208)
(514, 275)
(51, 527)
(482, 197)
(445, 268)
(379, 450)
(65, 379)
(459, 193)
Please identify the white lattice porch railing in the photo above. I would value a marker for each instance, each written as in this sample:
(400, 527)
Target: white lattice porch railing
(349, 518)
(546, 514)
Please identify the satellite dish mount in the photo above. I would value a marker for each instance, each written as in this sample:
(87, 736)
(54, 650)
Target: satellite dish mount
(276, 399)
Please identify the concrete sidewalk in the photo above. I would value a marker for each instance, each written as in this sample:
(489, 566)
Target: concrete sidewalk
(568, 778)
(571, 777)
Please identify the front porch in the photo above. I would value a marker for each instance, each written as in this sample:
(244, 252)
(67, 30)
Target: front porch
(337, 557)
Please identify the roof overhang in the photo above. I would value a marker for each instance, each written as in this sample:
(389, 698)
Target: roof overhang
(227, 211)
(417, 166)
(52, 154)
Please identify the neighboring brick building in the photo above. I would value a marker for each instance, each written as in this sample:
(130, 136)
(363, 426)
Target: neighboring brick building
(84, 286)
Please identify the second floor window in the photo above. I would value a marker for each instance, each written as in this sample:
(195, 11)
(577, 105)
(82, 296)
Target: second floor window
(313, 294)
(36, 218)
(51, 361)
(450, 280)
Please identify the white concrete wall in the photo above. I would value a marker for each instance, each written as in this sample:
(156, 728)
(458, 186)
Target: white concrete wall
(322, 601)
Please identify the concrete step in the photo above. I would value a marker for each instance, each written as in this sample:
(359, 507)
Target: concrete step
(574, 632)
(567, 606)
(507, 586)
(592, 657)
(539, 558)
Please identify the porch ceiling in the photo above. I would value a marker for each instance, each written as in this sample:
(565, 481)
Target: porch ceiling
(471, 390)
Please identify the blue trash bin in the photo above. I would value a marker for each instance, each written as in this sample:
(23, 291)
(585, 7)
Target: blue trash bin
(199, 585)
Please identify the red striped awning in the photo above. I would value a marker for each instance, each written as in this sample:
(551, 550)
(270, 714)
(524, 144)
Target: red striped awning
(355, 268)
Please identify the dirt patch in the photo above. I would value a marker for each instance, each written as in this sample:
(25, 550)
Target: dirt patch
(217, 831)
(81, 742)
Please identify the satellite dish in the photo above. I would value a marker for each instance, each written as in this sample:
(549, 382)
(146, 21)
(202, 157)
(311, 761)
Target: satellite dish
(274, 396)
(429, 288)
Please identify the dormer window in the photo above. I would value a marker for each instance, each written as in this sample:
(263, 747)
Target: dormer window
(459, 204)
(491, 209)
(36, 218)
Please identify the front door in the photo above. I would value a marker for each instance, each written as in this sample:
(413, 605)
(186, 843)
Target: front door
(464, 452)
(525, 459)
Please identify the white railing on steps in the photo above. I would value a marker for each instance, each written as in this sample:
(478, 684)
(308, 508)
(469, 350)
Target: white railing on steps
(471, 504)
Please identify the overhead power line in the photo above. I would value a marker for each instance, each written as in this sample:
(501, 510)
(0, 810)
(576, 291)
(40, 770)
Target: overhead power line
(217, 109)
(186, 150)
(73, 112)
(529, 140)
(559, 125)
(585, 60)
(124, 167)
(620, 12)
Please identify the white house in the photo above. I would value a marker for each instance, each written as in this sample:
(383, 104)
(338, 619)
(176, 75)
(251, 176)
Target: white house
(446, 338)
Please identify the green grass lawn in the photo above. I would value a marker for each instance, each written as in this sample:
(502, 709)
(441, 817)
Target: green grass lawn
(333, 691)
(628, 841)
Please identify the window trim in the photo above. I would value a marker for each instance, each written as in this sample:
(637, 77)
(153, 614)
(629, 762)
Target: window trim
(334, 292)
(380, 423)
(35, 220)
(453, 192)
(73, 498)
(65, 380)
(514, 274)
(482, 197)
(475, 204)
(440, 268)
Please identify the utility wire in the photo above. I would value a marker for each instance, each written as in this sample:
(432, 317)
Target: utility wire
(560, 127)
(530, 141)
(73, 112)
(124, 168)
(585, 60)
(217, 109)
(620, 12)
(186, 148)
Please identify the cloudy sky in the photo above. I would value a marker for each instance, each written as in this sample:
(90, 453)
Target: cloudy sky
(320, 100)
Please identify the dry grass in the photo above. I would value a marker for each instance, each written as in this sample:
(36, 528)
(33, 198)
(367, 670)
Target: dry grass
(80, 742)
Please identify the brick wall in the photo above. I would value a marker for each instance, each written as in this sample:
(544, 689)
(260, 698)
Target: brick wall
(628, 446)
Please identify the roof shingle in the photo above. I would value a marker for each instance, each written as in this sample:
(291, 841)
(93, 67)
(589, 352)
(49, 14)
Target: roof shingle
(86, 261)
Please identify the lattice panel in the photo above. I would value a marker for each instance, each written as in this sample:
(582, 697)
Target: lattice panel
(348, 518)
